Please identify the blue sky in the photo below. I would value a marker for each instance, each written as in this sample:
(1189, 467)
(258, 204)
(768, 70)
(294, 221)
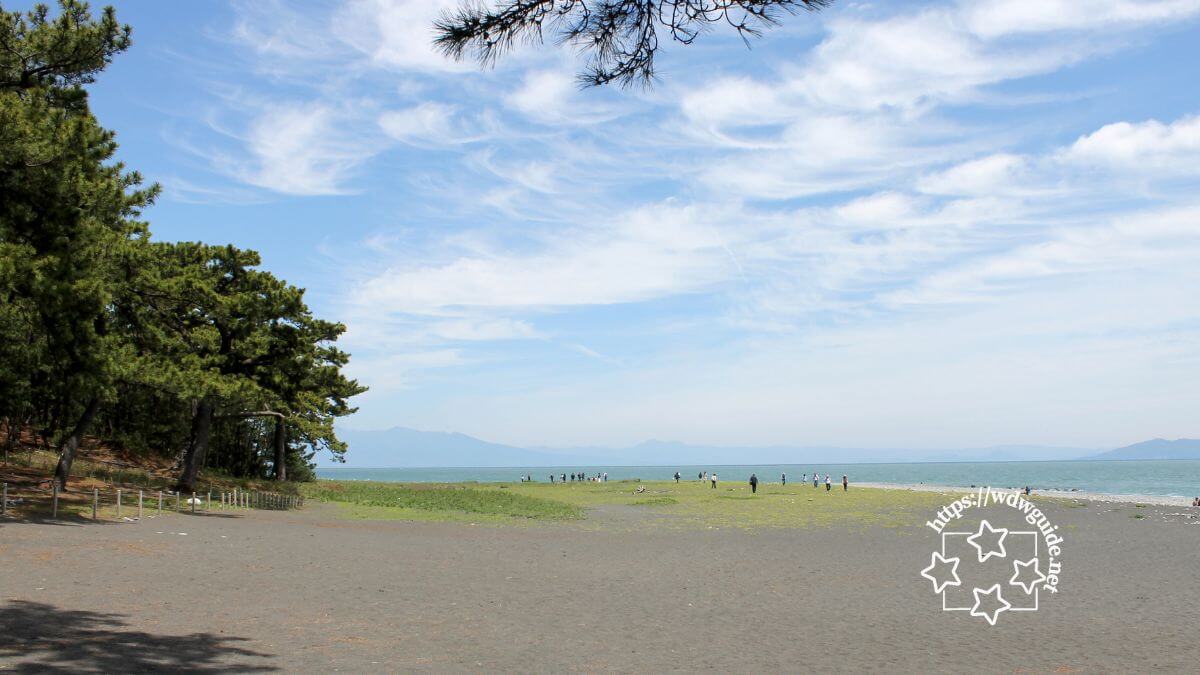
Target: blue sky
(887, 225)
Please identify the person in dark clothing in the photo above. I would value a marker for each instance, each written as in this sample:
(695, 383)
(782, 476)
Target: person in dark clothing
(676, 476)
(753, 484)
(845, 483)
(783, 478)
(551, 478)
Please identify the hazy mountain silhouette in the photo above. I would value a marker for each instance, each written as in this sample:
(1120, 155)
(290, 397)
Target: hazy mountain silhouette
(404, 447)
(1158, 448)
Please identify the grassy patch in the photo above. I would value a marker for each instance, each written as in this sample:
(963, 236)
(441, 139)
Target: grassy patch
(686, 504)
(692, 503)
(656, 501)
(441, 498)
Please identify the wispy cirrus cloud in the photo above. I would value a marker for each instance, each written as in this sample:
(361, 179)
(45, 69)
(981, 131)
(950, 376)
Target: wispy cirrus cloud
(911, 197)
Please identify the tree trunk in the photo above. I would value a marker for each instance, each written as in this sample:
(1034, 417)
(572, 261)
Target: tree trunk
(70, 444)
(280, 450)
(197, 446)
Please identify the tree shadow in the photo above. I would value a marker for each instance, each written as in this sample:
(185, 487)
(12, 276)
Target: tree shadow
(41, 638)
(78, 520)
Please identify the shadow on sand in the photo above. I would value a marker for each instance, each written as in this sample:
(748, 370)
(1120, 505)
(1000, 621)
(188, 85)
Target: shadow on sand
(41, 638)
(79, 519)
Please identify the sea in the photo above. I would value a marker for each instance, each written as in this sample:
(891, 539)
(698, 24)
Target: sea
(1167, 478)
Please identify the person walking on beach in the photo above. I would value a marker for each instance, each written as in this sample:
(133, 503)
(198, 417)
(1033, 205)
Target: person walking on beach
(676, 476)
(828, 483)
(714, 481)
(753, 484)
(605, 476)
(783, 478)
(845, 483)
(551, 478)
(699, 475)
(816, 479)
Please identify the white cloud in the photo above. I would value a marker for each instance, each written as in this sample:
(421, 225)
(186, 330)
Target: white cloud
(302, 149)
(650, 253)
(1174, 146)
(995, 174)
(544, 94)
(880, 210)
(914, 60)
(483, 329)
(992, 18)
(396, 34)
(1149, 241)
(733, 102)
(424, 122)
(432, 124)
(817, 154)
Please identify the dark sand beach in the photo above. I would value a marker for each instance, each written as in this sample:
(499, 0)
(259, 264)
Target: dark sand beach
(624, 590)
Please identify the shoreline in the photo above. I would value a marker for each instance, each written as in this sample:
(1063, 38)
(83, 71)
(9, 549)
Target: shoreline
(1114, 498)
(1156, 500)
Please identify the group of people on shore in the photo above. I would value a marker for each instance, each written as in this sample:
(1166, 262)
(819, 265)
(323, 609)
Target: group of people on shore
(704, 476)
(600, 477)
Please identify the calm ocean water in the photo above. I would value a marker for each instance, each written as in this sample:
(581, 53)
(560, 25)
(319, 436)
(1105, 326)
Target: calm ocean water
(1179, 478)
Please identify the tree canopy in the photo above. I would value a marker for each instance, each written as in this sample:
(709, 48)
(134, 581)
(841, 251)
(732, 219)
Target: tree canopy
(102, 329)
(618, 38)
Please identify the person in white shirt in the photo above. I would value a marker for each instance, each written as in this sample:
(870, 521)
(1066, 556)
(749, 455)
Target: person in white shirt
(714, 481)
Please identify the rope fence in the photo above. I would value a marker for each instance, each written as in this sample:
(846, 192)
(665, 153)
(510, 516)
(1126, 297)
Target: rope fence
(125, 505)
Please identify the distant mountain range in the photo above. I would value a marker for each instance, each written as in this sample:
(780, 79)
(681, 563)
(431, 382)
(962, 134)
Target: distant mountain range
(1159, 448)
(400, 447)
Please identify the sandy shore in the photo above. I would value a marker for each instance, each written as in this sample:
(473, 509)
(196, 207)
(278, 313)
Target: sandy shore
(624, 591)
(1158, 500)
